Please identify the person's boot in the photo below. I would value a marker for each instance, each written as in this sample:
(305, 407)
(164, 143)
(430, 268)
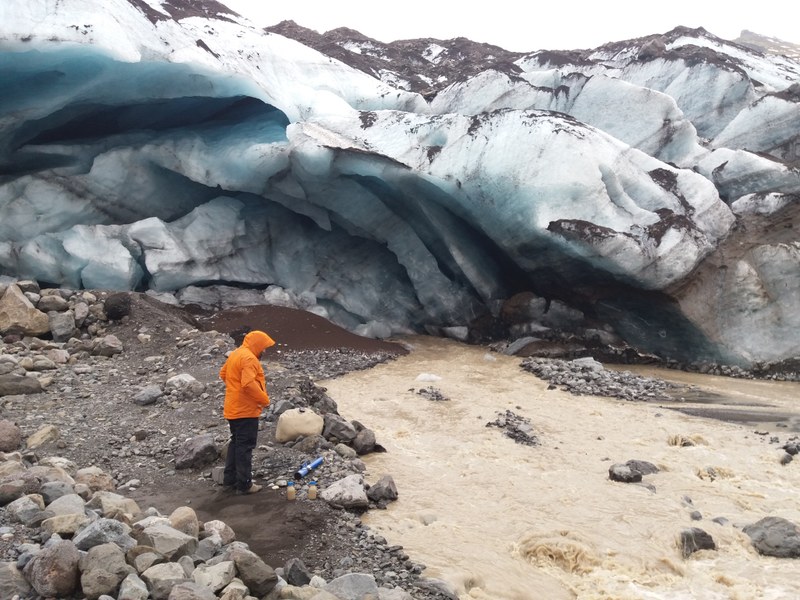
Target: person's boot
(251, 490)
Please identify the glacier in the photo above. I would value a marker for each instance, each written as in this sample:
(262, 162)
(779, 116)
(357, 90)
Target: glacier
(649, 186)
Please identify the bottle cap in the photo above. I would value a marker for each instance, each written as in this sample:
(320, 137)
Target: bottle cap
(290, 483)
(312, 483)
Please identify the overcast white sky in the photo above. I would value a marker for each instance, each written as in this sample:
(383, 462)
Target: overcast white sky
(526, 26)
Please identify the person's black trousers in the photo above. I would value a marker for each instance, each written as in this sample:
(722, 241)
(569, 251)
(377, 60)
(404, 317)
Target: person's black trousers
(239, 461)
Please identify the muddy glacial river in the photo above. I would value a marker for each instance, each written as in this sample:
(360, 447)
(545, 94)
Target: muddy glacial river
(498, 520)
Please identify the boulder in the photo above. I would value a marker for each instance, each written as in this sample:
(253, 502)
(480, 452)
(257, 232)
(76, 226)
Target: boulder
(12, 384)
(108, 346)
(296, 573)
(18, 315)
(338, 429)
(44, 435)
(184, 519)
(133, 588)
(364, 442)
(52, 302)
(775, 536)
(223, 530)
(298, 422)
(103, 568)
(12, 581)
(10, 436)
(68, 504)
(216, 576)
(117, 306)
(104, 531)
(114, 505)
(196, 452)
(189, 590)
(623, 473)
(348, 493)
(160, 579)
(257, 575)
(62, 325)
(97, 479)
(384, 490)
(184, 385)
(148, 395)
(54, 572)
(353, 585)
(167, 540)
(694, 539)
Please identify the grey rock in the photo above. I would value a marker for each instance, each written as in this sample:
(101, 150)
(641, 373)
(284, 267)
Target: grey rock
(12, 385)
(353, 586)
(167, 540)
(348, 493)
(775, 536)
(196, 453)
(148, 395)
(364, 442)
(257, 575)
(62, 325)
(296, 573)
(103, 531)
(54, 572)
(384, 490)
(623, 473)
(52, 490)
(108, 345)
(160, 579)
(642, 466)
(338, 429)
(133, 588)
(190, 590)
(694, 539)
(103, 568)
(10, 436)
(12, 581)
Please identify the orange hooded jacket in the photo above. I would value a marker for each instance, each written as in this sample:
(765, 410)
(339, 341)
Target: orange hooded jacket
(245, 387)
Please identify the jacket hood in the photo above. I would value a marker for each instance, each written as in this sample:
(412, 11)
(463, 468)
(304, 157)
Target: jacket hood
(257, 342)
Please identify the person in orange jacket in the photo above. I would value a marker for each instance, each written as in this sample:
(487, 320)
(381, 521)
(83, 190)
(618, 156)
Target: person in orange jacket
(245, 397)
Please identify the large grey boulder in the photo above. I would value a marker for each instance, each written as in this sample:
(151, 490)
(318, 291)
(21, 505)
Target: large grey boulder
(348, 493)
(104, 531)
(133, 588)
(12, 581)
(10, 436)
(12, 384)
(383, 490)
(775, 536)
(62, 325)
(257, 575)
(189, 590)
(103, 568)
(338, 429)
(214, 577)
(693, 539)
(353, 586)
(167, 540)
(196, 452)
(54, 572)
(160, 579)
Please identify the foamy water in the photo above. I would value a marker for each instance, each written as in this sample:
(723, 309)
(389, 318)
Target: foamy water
(503, 521)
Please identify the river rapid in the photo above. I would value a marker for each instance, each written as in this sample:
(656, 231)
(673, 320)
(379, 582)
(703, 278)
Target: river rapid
(498, 520)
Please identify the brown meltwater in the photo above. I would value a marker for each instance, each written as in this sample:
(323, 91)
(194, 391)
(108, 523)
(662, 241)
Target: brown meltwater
(504, 521)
